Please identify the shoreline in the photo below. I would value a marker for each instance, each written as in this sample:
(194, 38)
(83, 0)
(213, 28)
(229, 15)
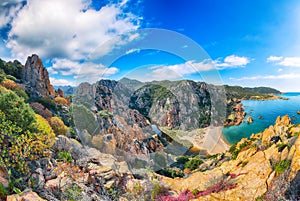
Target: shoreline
(214, 141)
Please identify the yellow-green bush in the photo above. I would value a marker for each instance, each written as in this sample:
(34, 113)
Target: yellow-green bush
(24, 136)
(58, 126)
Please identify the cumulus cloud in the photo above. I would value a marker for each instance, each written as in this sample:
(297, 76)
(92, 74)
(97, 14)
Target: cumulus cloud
(285, 61)
(273, 58)
(88, 72)
(8, 10)
(232, 61)
(179, 70)
(61, 82)
(66, 29)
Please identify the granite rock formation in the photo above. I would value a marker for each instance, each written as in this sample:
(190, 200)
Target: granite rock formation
(35, 78)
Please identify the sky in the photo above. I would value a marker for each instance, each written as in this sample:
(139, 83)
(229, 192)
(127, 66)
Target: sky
(246, 43)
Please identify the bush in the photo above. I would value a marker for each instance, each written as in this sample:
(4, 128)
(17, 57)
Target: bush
(182, 159)
(10, 77)
(65, 156)
(16, 110)
(41, 110)
(61, 100)
(58, 126)
(10, 84)
(105, 114)
(172, 173)
(48, 103)
(3, 192)
(193, 164)
(282, 166)
(158, 190)
(19, 146)
(24, 136)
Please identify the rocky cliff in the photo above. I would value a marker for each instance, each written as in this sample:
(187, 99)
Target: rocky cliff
(178, 105)
(35, 78)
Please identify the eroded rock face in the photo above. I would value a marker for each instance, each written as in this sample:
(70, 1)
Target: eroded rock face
(177, 105)
(36, 79)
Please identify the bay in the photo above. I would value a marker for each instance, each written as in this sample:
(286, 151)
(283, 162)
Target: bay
(269, 110)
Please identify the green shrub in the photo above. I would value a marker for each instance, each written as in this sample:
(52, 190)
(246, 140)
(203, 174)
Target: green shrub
(16, 110)
(74, 193)
(10, 77)
(65, 156)
(212, 156)
(172, 173)
(3, 192)
(193, 164)
(114, 193)
(158, 190)
(282, 166)
(195, 192)
(182, 159)
(105, 114)
(281, 146)
(232, 148)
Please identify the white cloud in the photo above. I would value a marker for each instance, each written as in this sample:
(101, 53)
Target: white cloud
(290, 62)
(133, 50)
(61, 82)
(66, 28)
(274, 58)
(8, 11)
(280, 69)
(270, 77)
(89, 72)
(179, 70)
(232, 61)
(285, 61)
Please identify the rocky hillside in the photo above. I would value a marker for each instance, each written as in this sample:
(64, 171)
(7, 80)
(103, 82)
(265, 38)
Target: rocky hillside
(98, 147)
(264, 167)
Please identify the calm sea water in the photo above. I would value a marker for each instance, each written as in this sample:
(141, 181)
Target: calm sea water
(269, 110)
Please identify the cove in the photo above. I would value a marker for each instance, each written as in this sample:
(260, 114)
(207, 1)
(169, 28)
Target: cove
(269, 110)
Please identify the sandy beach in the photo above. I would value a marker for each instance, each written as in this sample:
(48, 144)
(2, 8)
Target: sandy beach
(214, 141)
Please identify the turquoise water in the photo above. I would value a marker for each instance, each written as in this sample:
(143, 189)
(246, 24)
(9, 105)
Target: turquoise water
(269, 110)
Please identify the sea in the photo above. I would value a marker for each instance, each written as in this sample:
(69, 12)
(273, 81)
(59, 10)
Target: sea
(269, 110)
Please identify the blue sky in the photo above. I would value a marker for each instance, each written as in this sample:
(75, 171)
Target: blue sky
(249, 42)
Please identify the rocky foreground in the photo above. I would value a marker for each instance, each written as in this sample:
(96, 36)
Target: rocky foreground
(264, 167)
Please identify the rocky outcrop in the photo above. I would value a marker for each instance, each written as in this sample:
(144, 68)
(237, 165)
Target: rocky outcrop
(35, 78)
(267, 166)
(236, 111)
(250, 120)
(60, 92)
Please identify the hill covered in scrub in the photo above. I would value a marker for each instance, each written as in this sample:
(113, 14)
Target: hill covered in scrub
(96, 145)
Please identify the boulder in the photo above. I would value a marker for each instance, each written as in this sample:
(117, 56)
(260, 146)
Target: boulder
(249, 120)
(72, 146)
(25, 196)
